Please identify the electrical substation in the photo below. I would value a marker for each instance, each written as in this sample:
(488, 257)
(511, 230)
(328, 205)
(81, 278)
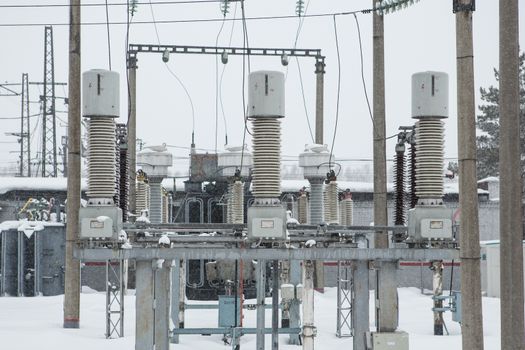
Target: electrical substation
(253, 242)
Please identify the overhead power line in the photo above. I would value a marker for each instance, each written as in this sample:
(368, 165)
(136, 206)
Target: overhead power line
(102, 4)
(195, 20)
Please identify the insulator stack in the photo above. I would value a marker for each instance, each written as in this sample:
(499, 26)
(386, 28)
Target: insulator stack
(155, 200)
(142, 196)
(347, 211)
(124, 172)
(237, 205)
(266, 158)
(331, 203)
(165, 206)
(302, 208)
(412, 178)
(342, 214)
(101, 158)
(429, 161)
(229, 201)
(316, 202)
(399, 189)
(116, 198)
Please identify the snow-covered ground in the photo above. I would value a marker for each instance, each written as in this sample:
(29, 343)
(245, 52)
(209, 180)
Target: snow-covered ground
(35, 323)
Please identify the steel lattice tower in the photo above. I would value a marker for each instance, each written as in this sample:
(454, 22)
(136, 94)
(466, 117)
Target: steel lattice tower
(25, 132)
(49, 140)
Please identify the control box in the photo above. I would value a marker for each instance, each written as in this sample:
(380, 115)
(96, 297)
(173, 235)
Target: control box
(102, 222)
(387, 341)
(266, 222)
(430, 222)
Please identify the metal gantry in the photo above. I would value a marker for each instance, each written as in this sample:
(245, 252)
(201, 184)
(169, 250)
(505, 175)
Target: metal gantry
(345, 293)
(49, 142)
(25, 130)
(115, 288)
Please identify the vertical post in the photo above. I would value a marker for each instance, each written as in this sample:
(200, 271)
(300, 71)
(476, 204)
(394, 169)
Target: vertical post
(275, 306)
(511, 230)
(72, 266)
(319, 99)
(162, 306)
(175, 291)
(295, 309)
(437, 286)
(132, 134)
(360, 304)
(261, 294)
(308, 305)
(386, 309)
(182, 292)
(472, 325)
(20, 264)
(145, 320)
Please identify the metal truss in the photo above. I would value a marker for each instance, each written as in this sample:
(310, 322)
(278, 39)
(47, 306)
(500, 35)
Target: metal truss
(114, 298)
(345, 285)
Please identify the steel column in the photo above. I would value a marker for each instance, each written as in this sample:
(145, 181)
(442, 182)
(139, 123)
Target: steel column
(144, 320)
(162, 305)
(360, 304)
(261, 295)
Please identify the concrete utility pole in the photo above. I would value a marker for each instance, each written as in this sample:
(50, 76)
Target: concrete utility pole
(132, 135)
(72, 278)
(472, 325)
(511, 229)
(386, 298)
(319, 101)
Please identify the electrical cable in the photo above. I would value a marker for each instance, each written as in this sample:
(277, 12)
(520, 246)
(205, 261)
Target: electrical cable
(246, 46)
(195, 20)
(217, 83)
(12, 118)
(183, 2)
(109, 38)
(338, 92)
(128, 66)
(175, 75)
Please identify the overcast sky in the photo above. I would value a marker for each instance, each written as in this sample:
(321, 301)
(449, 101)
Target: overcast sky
(418, 38)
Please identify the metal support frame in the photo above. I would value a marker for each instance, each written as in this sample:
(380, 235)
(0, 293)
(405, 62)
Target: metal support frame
(115, 298)
(3, 256)
(275, 305)
(145, 316)
(162, 305)
(20, 264)
(361, 304)
(175, 299)
(25, 129)
(261, 295)
(344, 327)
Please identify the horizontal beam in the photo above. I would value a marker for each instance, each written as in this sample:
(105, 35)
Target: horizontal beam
(134, 49)
(232, 253)
(228, 330)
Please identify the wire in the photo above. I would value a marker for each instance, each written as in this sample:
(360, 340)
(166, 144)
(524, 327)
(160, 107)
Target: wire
(128, 63)
(245, 46)
(338, 92)
(363, 71)
(186, 2)
(14, 118)
(175, 75)
(217, 84)
(109, 38)
(195, 20)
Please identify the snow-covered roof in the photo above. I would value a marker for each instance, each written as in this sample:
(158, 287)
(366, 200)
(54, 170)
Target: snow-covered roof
(453, 188)
(489, 179)
(35, 184)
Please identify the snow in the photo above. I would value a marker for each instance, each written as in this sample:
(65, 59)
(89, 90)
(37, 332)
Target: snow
(24, 225)
(489, 179)
(164, 240)
(310, 243)
(41, 318)
(29, 184)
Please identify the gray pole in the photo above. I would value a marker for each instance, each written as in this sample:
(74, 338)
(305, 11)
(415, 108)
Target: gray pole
(144, 301)
(261, 294)
(132, 135)
(386, 306)
(162, 306)
(360, 304)
(511, 229)
(72, 266)
(472, 325)
(275, 306)
(319, 102)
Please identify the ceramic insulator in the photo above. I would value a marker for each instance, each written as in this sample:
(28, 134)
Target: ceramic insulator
(142, 196)
(101, 158)
(237, 205)
(155, 200)
(347, 212)
(429, 158)
(266, 158)
(302, 209)
(316, 202)
(331, 203)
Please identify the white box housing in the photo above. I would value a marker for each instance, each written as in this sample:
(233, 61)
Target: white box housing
(430, 95)
(100, 93)
(266, 94)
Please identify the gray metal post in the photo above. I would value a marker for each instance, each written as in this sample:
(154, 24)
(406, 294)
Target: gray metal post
(295, 305)
(162, 306)
(72, 266)
(275, 306)
(37, 285)
(132, 135)
(261, 294)
(511, 229)
(175, 297)
(319, 101)
(387, 308)
(144, 319)
(437, 287)
(360, 304)
(472, 322)
(309, 330)
(20, 264)
(3, 258)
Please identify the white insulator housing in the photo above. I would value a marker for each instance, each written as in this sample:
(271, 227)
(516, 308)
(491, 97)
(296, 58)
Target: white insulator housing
(155, 161)
(429, 159)
(266, 94)
(347, 211)
(266, 157)
(155, 200)
(229, 201)
(315, 161)
(430, 95)
(165, 208)
(331, 203)
(142, 197)
(237, 203)
(302, 209)
(101, 158)
(316, 213)
(100, 93)
(231, 159)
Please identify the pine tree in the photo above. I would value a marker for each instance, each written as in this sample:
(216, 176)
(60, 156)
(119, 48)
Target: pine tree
(488, 123)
